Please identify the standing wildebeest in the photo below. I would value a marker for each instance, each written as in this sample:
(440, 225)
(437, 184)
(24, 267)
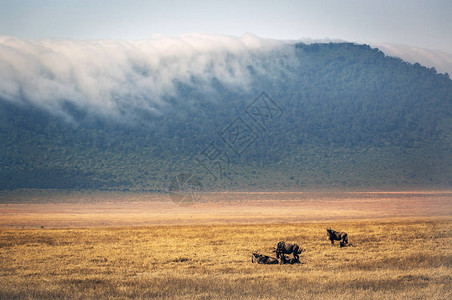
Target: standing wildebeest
(287, 248)
(263, 259)
(334, 235)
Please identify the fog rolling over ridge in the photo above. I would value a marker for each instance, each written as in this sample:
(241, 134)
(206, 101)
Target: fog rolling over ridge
(438, 59)
(113, 78)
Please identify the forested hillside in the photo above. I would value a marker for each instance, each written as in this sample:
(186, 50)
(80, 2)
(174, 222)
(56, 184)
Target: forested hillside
(338, 115)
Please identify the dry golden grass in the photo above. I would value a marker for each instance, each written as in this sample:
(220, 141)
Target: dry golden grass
(397, 259)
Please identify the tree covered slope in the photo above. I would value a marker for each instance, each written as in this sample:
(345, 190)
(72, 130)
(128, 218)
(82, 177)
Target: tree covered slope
(333, 115)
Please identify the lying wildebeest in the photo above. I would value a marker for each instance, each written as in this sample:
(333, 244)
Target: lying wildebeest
(287, 248)
(334, 235)
(263, 259)
(342, 244)
(286, 260)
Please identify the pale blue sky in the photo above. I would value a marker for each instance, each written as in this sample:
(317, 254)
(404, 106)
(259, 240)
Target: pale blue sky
(421, 23)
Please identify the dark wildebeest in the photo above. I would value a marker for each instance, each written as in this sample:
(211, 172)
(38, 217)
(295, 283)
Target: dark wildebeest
(287, 248)
(346, 245)
(263, 259)
(334, 235)
(286, 260)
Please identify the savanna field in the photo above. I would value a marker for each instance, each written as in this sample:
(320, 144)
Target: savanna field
(397, 257)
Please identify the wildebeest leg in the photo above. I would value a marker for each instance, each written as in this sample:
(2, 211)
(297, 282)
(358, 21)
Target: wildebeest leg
(332, 242)
(295, 250)
(283, 260)
(345, 238)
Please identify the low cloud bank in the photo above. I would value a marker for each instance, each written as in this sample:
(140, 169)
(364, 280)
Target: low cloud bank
(114, 78)
(440, 60)
(111, 77)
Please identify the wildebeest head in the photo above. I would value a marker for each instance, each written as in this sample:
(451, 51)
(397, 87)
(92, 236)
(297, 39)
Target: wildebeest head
(255, 257)
(263, 259)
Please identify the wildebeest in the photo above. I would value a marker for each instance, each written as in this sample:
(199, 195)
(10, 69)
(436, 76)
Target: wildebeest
(287, 248)
(286, 260)
(263, 259)
(346, 245)
(334, 235)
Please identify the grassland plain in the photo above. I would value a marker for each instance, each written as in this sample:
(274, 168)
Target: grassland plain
(403, 258)
(56, 209)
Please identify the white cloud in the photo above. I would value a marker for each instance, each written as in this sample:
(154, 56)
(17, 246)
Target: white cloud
(106, 76)
(441, 60)
(110, 77)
